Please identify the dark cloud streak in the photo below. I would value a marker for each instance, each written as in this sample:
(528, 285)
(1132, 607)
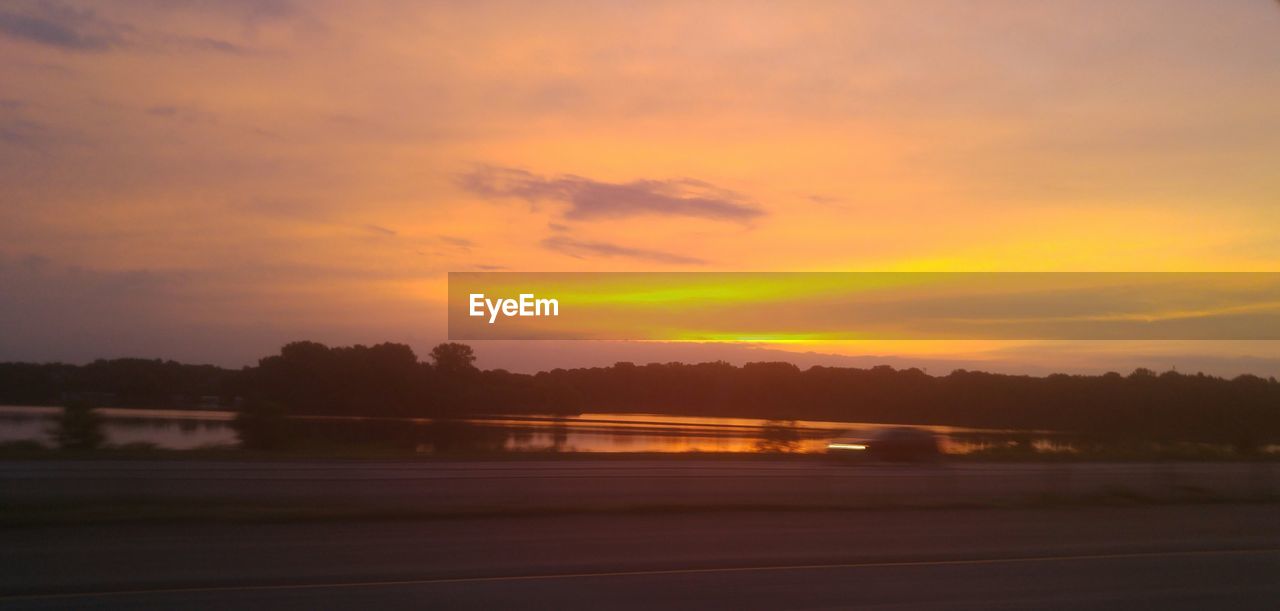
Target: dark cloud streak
(56, 25)
(53, 24)
(456, 241)
(379, 230)
(582, 249)
(595, 200)
(23, 133)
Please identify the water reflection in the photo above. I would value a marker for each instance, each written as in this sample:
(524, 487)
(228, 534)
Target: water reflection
(170, 429)
(589, 432)
(778, 436)
(594, 432)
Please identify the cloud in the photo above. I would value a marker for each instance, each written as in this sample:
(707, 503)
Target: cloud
(23, 133)
(581, 249)
(379, 230)
(182, 113)
(212, 44)
(249, 13)
(56, 25)
(199, 43)
(456, 241)
(594, 200)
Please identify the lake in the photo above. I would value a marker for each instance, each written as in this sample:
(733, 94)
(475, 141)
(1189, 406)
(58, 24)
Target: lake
(589, 432)
(165, 428)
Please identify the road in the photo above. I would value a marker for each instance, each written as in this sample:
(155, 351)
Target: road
(452, 486)
(1190, 556)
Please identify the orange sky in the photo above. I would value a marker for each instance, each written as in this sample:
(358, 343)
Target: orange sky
(206, 180)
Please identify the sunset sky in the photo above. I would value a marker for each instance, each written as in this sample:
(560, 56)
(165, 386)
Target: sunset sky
(206, 180)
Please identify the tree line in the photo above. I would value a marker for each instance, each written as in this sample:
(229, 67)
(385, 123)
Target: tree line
(308, 378)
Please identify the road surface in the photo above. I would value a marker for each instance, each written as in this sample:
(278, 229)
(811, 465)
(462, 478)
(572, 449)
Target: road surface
(1189, 556)
(451, 486)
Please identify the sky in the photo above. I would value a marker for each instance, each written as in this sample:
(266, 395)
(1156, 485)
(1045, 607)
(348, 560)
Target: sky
(207, 180)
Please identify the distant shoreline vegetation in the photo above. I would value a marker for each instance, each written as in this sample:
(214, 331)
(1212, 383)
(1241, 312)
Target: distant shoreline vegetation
(390, 380)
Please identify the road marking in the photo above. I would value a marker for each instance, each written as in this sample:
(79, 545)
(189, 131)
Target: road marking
(642, 573)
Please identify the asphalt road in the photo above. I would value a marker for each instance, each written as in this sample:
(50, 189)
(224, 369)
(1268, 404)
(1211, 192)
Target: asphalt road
(1192, 556)
(594, 483)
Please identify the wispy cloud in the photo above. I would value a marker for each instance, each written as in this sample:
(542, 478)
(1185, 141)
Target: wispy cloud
(379, 230)
(23, 133)
(54, 24)
(181, 113)
(582, 249)
(457, 241)
(593, 200)
(61, 26)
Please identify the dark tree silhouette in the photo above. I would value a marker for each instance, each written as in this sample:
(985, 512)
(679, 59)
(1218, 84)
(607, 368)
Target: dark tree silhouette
(308, 378)
(79, 428)
(262, 425)
(453, 359)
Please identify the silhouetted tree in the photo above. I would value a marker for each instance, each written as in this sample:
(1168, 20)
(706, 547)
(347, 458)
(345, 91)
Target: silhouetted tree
(453, 359)
(261, 425)
(388, 380)
(79, 428)
(311, 378)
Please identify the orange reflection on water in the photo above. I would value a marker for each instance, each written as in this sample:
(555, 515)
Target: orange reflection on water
(601, 432)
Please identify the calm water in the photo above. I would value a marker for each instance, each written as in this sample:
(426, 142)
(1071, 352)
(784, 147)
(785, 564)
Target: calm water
(188, 429)
(173, 429)
(661, 433)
